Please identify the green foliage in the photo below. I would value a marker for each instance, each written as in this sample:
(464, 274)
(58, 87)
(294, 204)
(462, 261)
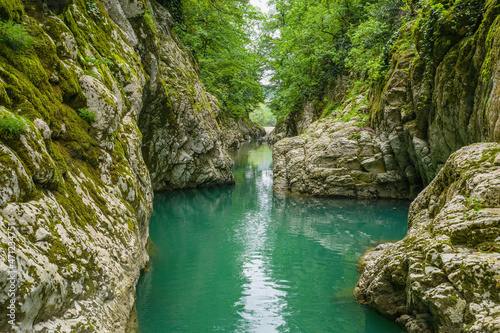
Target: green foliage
(263, 116)
(87, 115)
(329, 109)
(475, 203)
(311, 43)
(355, 136)
(91, 73)
(15, 36)
(148, 18)
(95, 62)
(218, 33)
(11, 126)
(93, 9)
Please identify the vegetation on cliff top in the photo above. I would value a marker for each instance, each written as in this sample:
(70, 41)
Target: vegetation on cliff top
(311, 43)
(220, 36)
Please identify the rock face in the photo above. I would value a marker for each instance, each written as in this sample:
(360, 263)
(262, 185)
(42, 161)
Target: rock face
(76, 193)
(337, 159)
(441, 92)
(444, 276)
(183, 146)
(236, 131)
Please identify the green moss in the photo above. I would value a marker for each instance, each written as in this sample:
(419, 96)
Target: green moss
(15, 36)
(11, 125)
(86, 114)
(11, 9)
(488, 63)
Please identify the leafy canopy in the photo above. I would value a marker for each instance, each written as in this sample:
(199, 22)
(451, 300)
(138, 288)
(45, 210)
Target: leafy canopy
(219, 34)
(310, 43)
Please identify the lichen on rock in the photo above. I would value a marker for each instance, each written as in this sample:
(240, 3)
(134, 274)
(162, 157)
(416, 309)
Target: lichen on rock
(444, 276)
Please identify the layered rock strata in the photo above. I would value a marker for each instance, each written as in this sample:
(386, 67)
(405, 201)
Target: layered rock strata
(338, 159)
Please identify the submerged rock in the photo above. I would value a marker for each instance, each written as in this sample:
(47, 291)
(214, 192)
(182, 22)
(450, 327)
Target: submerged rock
(445, 274)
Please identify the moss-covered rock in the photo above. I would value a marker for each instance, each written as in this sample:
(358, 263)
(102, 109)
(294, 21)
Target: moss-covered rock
(183, 146)
(447, 266)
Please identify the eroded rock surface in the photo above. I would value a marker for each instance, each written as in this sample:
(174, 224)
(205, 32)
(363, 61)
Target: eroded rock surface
(444, 276)
(337, 159)
(183, 146)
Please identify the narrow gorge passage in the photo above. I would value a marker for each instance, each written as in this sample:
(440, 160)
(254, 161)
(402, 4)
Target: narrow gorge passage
(245, 259)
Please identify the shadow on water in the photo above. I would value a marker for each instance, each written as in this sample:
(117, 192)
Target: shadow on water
(244, 259)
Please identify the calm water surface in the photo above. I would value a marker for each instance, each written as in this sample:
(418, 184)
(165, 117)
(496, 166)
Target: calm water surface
(243, 259)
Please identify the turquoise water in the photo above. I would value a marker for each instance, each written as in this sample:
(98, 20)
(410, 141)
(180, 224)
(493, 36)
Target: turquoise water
(243, 259)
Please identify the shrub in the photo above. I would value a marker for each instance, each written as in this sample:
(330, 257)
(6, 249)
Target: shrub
(15, 36)
(93, 61)
(355, 136)
(148, 18)
(93, 9)
(11, 126)
(87, 115)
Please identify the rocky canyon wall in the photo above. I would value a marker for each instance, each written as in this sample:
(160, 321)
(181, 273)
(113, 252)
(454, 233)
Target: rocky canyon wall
(440, 94)
(103, 84)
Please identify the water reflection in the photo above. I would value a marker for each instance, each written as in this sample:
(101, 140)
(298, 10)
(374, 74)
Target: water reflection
(243, 259)
(263, 301)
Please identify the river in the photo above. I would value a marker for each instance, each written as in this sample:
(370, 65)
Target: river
(244, 259)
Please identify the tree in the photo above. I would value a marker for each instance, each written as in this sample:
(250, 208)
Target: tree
(310, 43)
(219, 34)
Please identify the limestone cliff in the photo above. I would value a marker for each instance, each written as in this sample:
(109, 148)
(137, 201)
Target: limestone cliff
(183, 146)
(236, 131)
(444, 276)
(76, 193)
(337, 159)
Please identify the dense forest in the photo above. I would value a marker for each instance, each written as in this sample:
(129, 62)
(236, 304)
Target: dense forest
(221, 37)
(304, 45)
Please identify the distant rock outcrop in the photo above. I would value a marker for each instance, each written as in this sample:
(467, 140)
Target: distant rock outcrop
(338, 159)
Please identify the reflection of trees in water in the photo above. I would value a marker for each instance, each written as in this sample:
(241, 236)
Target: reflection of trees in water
(189, 203)
(194, 226)
(253, 155)
(212, 233)
(341, 225)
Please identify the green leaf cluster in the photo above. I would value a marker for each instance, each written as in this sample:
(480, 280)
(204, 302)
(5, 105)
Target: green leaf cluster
(86, 114)
(15, 36)
(11, 126)
(220, 35)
